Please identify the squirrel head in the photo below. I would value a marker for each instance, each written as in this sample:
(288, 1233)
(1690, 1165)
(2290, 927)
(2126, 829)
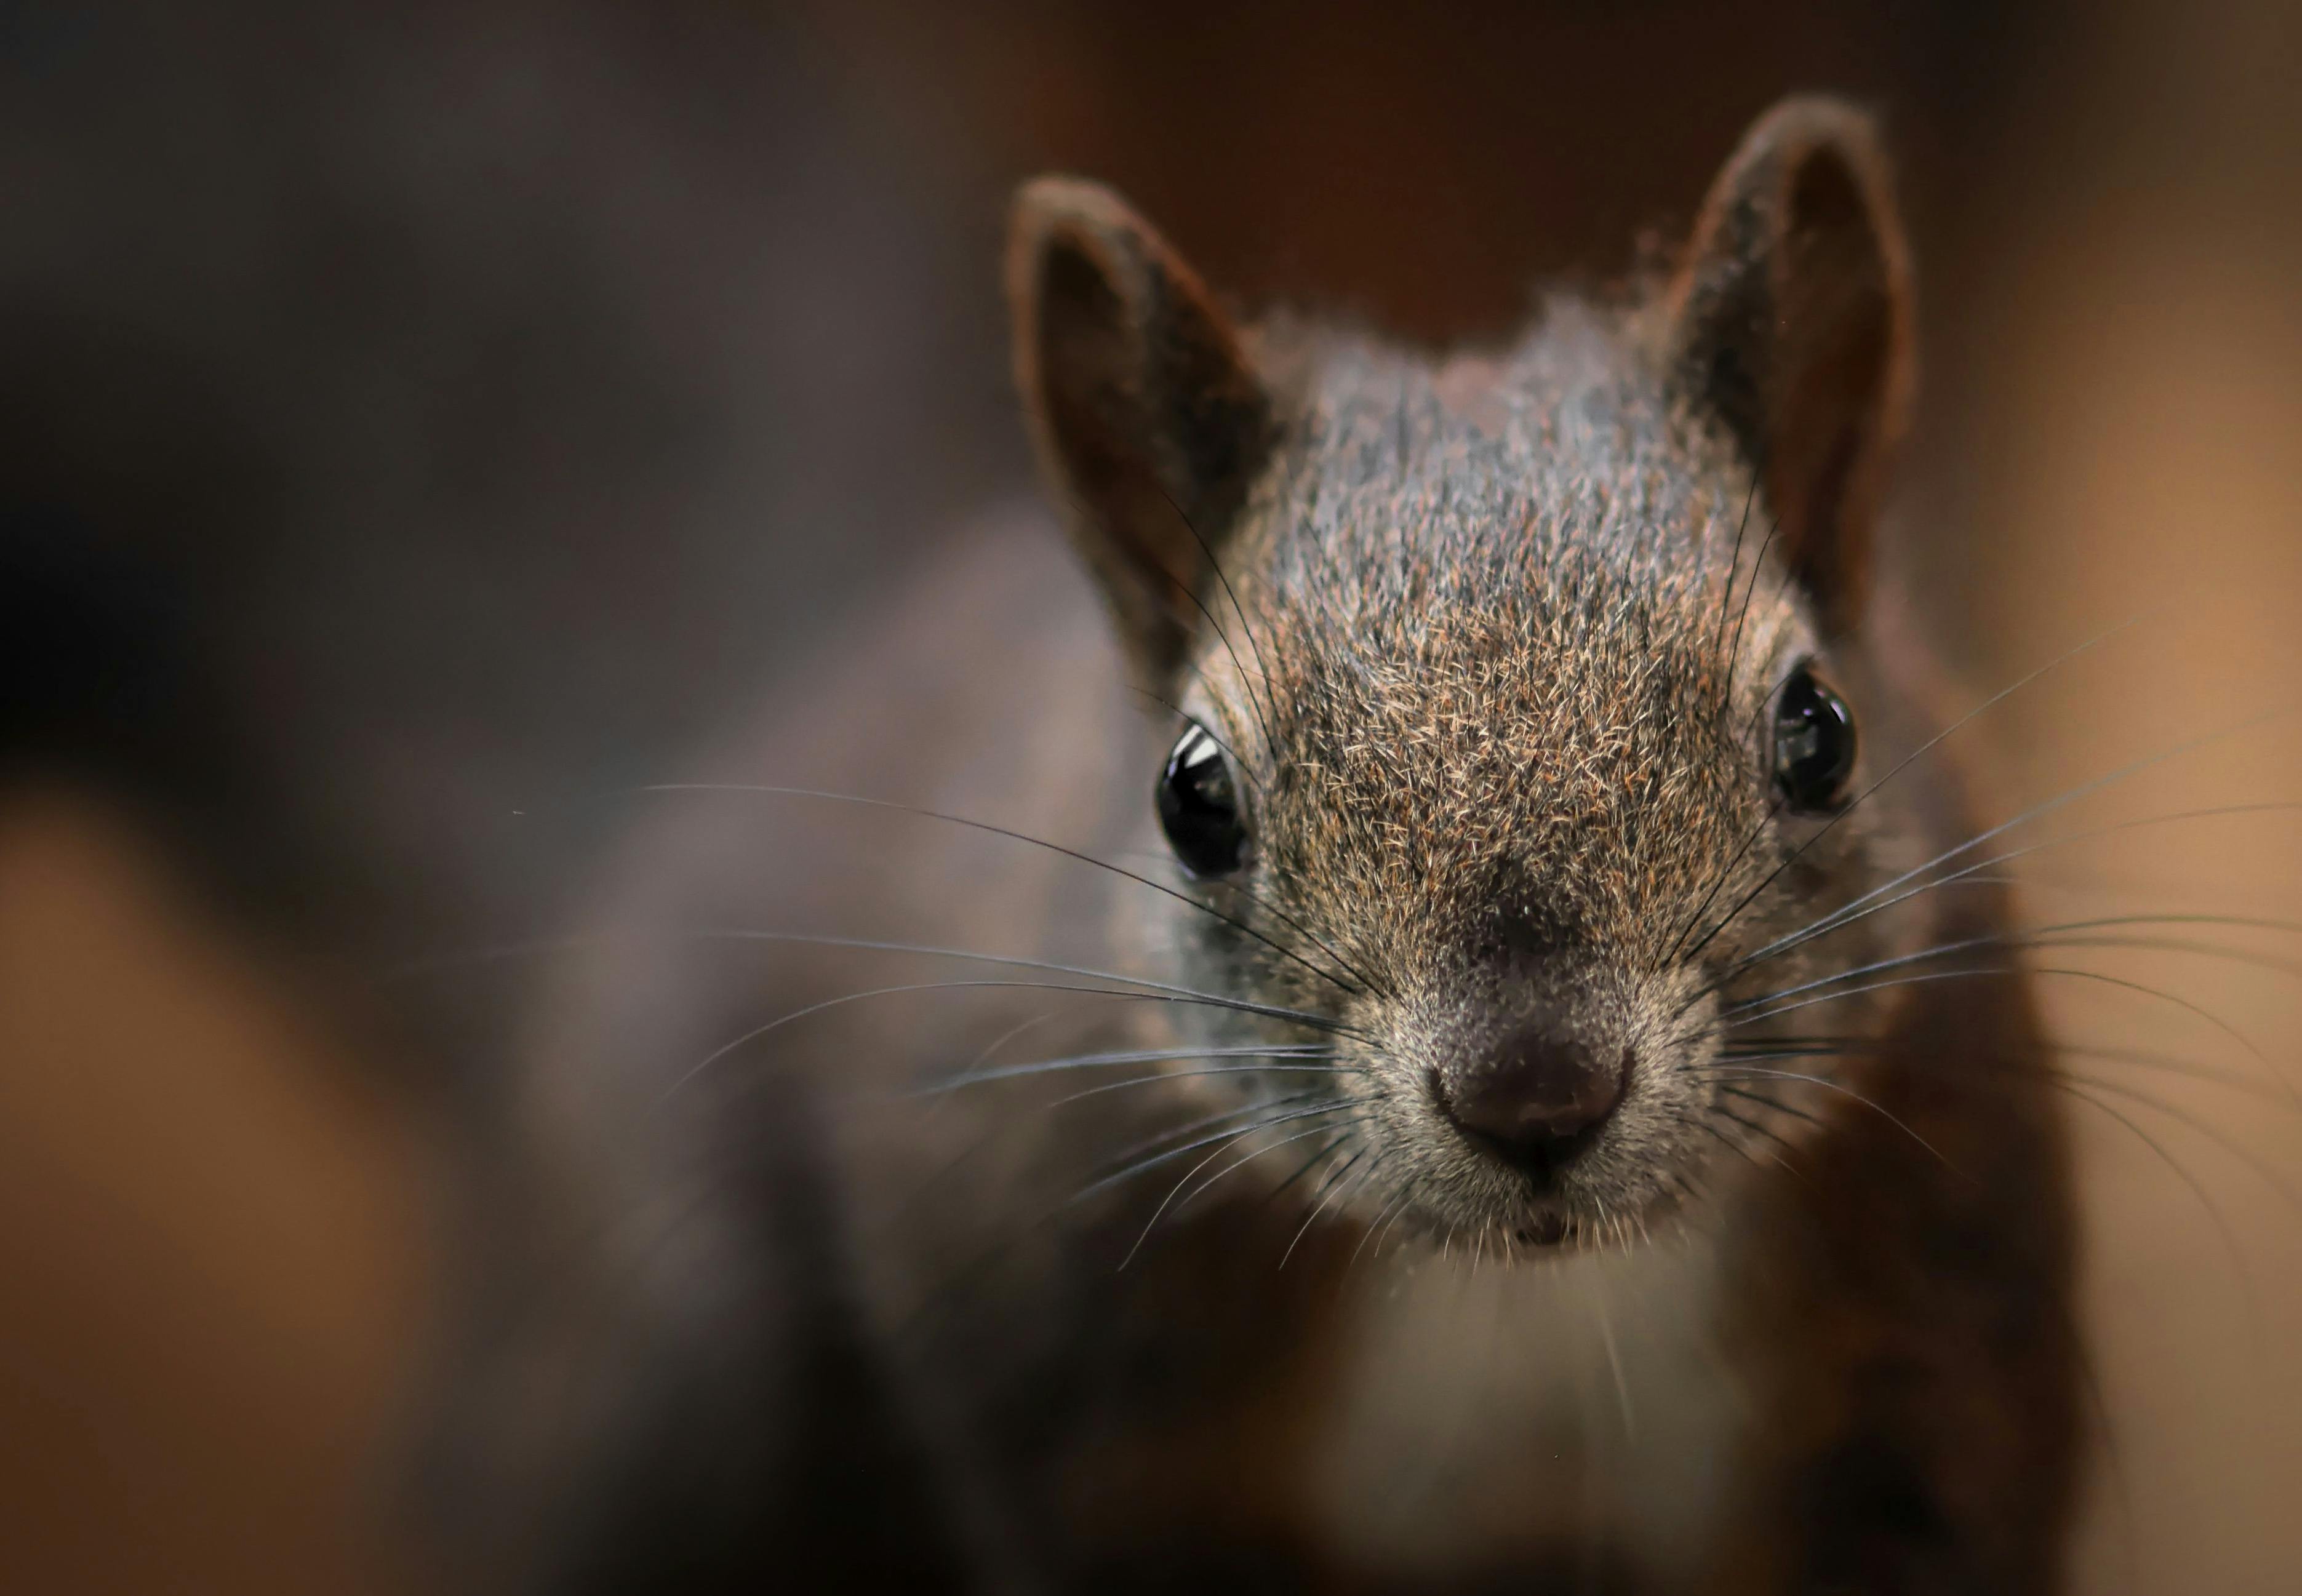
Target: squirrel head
(1514, 690)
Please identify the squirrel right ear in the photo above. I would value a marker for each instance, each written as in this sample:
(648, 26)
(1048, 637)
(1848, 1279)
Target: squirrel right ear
(1149, 420)
(1790, 323)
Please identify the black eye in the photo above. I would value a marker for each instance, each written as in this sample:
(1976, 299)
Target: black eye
(1198, 807)
(1814, 743)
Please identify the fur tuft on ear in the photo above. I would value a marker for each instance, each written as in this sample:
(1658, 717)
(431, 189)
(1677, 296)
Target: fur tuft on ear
(1790, 323)
(1149, 419)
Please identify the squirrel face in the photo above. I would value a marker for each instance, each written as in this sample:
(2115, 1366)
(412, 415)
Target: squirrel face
(1511, 729)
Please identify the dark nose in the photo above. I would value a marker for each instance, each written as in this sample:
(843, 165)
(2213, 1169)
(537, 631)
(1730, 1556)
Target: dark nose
(1540, 1098)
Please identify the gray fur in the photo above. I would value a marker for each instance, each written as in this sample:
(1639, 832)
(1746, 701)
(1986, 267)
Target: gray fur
(1493, 642)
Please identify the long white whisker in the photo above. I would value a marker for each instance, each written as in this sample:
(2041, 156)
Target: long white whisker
(1230, 1141)
(1137, 1055)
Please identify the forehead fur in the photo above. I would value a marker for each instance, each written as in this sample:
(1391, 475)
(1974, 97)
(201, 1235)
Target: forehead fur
(1488, 596)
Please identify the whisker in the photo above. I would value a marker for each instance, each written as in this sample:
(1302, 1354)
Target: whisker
(1153, 1162)
(984, 1056)
(1734, 564)
(1907, 761)
(2056, 936)
(2197, 1190)
(1726, 874)
(1758, 569)
(794, 1015)
(1305, 1167)
(1395, 1218)
(1783, 1047)
(1703, 1123)
(1189, 1198)
(1212, 736)
(1240, 888)
(1685, 1186)
(1016, 961)
(1145, 1155)
(1842, 915)
(1775, 1103)
(2180, 1116)
(1328, 1190)
(1189, 590)
(1263, 670)
(1366, 982)
(1831, 922)
(1009, 1035)
(2065, 973)
(1138, 1055)
(1158, 1076)
(1829, 1086)
(2188, 1068)
(1190, 1128)
(2243, 957)
(1398, 1202)
(1228, 1141)
(1756, 1128)
(756, 789)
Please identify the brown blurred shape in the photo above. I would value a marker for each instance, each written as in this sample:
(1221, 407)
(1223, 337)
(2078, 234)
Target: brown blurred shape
(210, 1229)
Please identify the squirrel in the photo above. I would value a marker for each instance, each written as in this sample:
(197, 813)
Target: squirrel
(1451, 1098)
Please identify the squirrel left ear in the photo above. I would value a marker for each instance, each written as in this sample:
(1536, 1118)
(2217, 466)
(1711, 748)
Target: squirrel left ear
(1790, 323)
(1149, 418)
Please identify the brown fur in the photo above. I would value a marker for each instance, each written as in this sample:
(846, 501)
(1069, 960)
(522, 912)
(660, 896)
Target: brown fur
(1491, 643)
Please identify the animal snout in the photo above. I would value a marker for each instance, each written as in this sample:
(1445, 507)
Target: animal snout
(1540, 1098)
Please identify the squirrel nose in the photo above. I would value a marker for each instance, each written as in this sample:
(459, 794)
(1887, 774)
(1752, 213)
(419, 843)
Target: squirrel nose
(1540, 1098)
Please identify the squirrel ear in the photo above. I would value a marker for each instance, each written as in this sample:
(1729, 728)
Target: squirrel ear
(1790, 323)
(1149, 421)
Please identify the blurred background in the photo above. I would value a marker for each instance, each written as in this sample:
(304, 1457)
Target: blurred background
(415, 419)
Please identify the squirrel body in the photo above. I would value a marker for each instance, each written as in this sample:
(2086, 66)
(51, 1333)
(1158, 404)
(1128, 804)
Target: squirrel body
(1381, 1192)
